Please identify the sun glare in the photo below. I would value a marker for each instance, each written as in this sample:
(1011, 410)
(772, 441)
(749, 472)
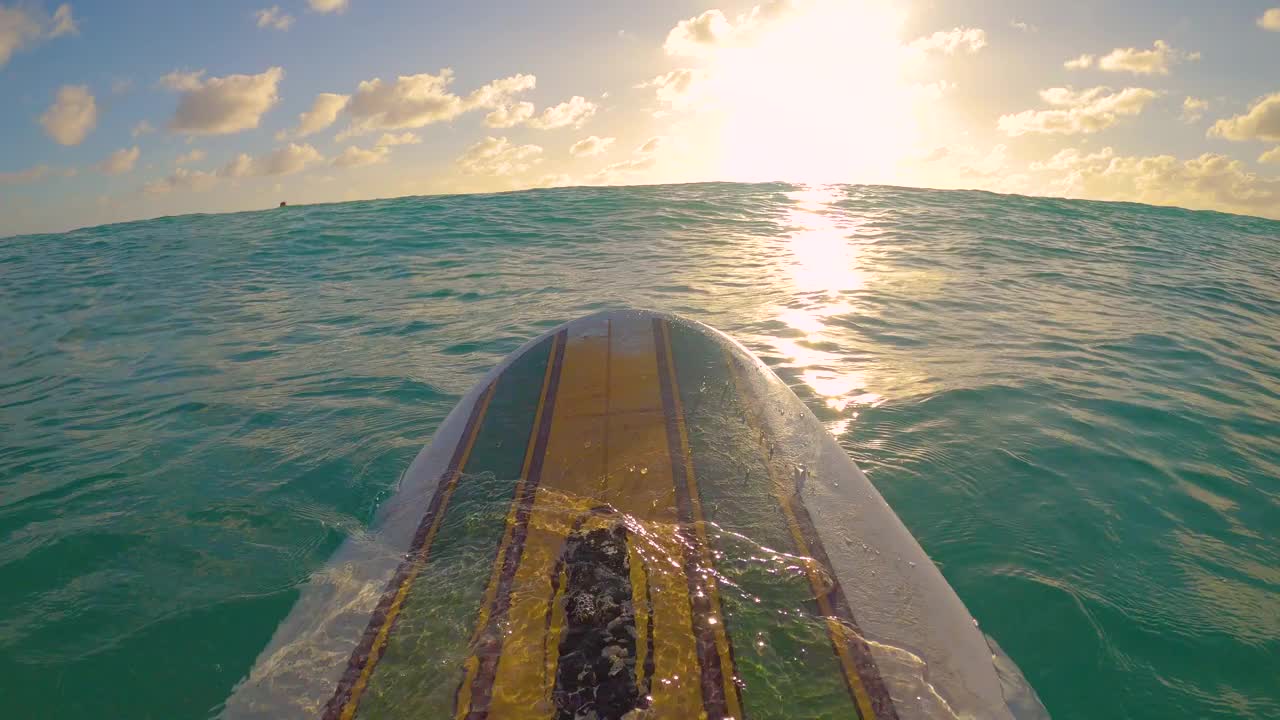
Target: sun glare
(816, 96)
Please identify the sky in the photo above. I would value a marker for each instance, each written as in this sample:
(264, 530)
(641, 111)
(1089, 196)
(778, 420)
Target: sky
(115, 111)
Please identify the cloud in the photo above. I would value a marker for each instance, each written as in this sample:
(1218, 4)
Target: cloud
(702, 33)
(323, 112)
(119, 162)
(142, 127)
(359, 157)
(497, 156)
(573, 112)
(182, 179)
(1193, 109)
(690, 36)
(1270, 156)
(1209, 181)
(1086, 111)
(272, 17)
(678, 89)
(1270, 20)
(1023, 26)
(651, 145)
(413, 101)
(589, 146)
(71, 116)
(509, 115)
(615, 171)
(950, 42)
(499, 92)
(1155, 61)
(328, 6)
(1262, 122)
(1071, 158)
(404, 138)
(553, 180)
(287, 160)
(222, 105)
(23, 27)
(1079, 63)
(63, 23)
(22, 177)
(194, 156)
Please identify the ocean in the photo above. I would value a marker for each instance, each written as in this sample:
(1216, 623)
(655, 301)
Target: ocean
(1073, 405)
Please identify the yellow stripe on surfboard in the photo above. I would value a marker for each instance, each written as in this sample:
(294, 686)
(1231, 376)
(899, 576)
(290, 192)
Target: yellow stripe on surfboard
(732, 701)
(471, 666)
(611, 392)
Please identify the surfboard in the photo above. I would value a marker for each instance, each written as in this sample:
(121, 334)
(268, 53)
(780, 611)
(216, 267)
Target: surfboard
(632, 516)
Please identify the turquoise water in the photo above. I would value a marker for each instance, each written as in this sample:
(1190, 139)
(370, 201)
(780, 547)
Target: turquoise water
(1075, 407)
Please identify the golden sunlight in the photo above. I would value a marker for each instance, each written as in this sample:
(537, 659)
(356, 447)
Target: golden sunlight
(816, 96)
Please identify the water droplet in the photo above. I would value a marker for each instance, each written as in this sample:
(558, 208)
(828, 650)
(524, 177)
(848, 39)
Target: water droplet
(644, 471)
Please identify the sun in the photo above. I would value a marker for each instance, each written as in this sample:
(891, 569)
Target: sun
(815, 96)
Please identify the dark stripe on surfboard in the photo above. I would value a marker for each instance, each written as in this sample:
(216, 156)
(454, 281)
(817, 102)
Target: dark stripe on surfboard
(482, 685)
(709, 661)
(369, 650)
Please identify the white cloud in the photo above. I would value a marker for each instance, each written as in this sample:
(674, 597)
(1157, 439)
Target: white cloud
(678, 89)
(497, 156)
(688, 37)
(404, 138)
(71, 116)
(499, 92)
(1262, 122)
(1079, 63)
(273, 17)
(142, 127)
(1086, 111)
(22, 177)
(413, 101)
(287, 160)
(702, 33)
(1270, 156)
(195, 156)
(359, 157)
(950, 42)
(1209, 181)
(119, 162)
(1155, 61)
(63, 23)
(574, 112)
(1193, 109)
(328, 6)
(182, 179)
(588, 146)
(120, 86)
(1023, 26)
(24, 26)
(220, 106)
(651, 145)
(617, 170)
(553, 180)
(323, 112)
(509, 115)
(1071, 158)
(1270, 20)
